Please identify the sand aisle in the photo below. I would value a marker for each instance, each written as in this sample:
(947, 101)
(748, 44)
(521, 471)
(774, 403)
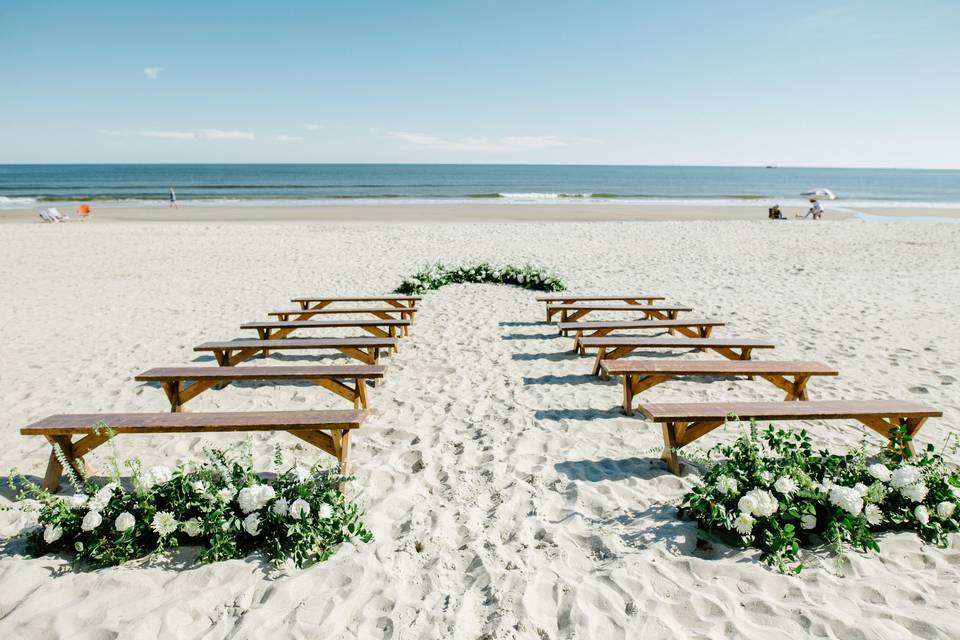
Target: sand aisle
(508, 495)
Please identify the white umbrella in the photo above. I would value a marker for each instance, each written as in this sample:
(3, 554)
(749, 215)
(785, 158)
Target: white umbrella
(820, 193)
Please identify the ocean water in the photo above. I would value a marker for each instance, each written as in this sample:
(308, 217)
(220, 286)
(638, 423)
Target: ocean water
(256, 184)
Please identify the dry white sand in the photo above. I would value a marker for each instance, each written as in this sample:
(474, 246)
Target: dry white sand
(508, 495)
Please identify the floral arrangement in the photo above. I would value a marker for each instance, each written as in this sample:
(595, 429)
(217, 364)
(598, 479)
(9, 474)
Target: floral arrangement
(438, 275)
(220, 505)
(771, 491)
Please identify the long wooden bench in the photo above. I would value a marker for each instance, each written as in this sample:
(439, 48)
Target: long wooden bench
(394, 300)
(571, 298)
(685, 422)
(387, 313)
(639, 375)
(327, 430)
(277, 329)
(573, 312)
(232, 352)
(613, 347)
(694, 328)
(330, 377)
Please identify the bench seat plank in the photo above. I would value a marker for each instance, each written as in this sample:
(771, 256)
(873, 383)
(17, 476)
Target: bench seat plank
(612, 347)
(381, 298)
(690, 327)
(632, 299)
(573, 312)
(640, 375)
(327, 430)
(684, 423)
(279, 329)
(330, 377)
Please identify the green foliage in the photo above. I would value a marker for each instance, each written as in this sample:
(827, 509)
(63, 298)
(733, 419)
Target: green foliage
(220, 505)
(438, 275)
(772, 491)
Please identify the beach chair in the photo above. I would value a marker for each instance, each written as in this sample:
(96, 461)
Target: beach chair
(329, 431)
(683, 423)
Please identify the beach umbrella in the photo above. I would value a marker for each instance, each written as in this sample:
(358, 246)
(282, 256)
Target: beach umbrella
(820, 193)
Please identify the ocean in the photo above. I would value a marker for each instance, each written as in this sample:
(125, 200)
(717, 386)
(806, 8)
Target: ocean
(257, 184)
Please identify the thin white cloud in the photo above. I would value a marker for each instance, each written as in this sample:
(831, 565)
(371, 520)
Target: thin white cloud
(205, 134)
(282, 137)
(480, 145)
(152, 72)
(313, 126)
(218, 134)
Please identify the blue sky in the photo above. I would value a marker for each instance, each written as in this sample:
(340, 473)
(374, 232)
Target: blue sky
(864, 84)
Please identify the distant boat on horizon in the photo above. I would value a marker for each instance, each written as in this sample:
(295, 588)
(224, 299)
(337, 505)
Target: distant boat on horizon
(771, 166)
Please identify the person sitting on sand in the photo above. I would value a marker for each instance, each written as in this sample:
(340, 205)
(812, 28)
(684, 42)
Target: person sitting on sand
(774, 213)
(815, 210)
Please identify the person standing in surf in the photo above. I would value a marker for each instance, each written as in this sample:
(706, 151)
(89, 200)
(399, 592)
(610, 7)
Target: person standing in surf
(173, 198)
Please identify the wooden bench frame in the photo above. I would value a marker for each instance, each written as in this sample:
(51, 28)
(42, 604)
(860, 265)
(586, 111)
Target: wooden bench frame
(638, 299)
(573, 312)
(278, 330)
(684, 423)
(383, 313)
(789, 376)
(614, 348)
(407, 304)
(693, 328)
(330, 377)
(328, 430)
(230, 353)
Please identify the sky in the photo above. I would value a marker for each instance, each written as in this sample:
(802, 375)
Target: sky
(837, 84)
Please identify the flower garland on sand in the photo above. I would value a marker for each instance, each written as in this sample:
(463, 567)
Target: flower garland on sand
(771, 491)
(220, 505)
(438, 275)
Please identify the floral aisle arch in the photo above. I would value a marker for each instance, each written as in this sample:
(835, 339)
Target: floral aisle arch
(438, 275)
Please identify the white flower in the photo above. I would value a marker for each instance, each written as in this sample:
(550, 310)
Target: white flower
(808, 521)
(847, 499)
(91, 521)
(192, 527)
(199, 487)
(302, 474)
(785, 485)
(905, 475)
(743, 524)
(873, 514)
(727, 485)
(915, 492)
(155, 475)
(766, 477)
(251, 524)
(164, 523)
(101, 498)
(945, 509)
(255, 497)
(922, 514)
(299, 509)
(52, 533)
(879, 471)
(226, 494)
(325, 511)
(280, 507)
(124, 521)
(861, 488)
(758, 503)
(76, 501)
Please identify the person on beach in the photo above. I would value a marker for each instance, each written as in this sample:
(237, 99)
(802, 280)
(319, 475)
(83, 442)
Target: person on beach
(774, 213)
(173, 198)
(84, 211)
(815, 210)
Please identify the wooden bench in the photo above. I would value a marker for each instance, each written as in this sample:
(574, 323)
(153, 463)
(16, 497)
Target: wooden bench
(279, 329)
(694, 328)
(683, 423)
(573, 312)
(229, 353)
(172, 379)
(326, 430)
(385, 313)
(640, 375)
(613, 347)
(570, 298)
(394, 300)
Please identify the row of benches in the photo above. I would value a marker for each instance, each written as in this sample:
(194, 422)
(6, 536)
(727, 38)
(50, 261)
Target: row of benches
(329, 430)
(683, 423)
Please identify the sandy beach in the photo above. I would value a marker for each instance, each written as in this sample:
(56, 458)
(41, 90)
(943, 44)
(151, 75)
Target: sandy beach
(508, 495)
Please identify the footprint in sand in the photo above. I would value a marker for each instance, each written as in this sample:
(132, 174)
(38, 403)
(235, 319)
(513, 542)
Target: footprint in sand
(920, 390)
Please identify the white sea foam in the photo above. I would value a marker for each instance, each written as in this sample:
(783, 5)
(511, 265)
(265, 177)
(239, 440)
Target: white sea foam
(16, 203)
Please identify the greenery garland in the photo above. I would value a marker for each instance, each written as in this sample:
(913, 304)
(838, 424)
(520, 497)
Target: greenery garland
(438, 275)
(773, 492)
(220, 505)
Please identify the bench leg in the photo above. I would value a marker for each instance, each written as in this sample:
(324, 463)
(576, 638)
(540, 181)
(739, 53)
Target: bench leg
(172, 389)
(628, 382)
(341, 445)
(597, 370)
(670, 446)
(54, 472)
